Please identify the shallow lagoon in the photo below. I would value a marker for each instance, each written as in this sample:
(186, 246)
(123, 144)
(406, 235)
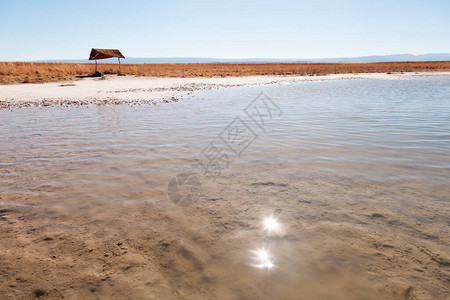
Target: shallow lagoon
(356, 171)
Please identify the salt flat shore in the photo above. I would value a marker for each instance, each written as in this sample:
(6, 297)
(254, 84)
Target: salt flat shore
(113, 89)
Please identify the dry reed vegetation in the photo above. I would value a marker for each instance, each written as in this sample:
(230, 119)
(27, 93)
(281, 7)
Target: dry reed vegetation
(21, 72)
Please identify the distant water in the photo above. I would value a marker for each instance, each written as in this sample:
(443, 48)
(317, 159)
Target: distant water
(357, 171)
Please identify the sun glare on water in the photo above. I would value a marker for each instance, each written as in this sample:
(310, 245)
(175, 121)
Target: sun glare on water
(264, 259)
(271, 224)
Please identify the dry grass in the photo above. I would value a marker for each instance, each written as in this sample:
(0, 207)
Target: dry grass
(19, 72)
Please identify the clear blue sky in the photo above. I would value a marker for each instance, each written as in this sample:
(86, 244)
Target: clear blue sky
(32, 30)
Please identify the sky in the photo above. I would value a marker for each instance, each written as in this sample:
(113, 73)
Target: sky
(39, 30)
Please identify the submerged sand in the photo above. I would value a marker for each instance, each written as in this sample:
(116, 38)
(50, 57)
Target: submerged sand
(113, 89)
(345, 238)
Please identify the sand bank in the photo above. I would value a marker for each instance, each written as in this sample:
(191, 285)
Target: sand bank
(150, 90)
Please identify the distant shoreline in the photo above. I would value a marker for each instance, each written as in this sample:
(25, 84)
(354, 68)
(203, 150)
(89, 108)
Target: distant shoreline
(26, 72)
(134, 90)
(398, 57)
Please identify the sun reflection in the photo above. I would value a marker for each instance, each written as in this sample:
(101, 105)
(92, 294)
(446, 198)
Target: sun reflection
(262, 254)
(263, 259)
(267, 265)
(271, 224)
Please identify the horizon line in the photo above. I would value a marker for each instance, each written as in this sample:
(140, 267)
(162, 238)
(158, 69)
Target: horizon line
(240, 58)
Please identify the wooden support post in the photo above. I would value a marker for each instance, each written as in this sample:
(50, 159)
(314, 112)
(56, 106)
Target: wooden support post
(119, 65)
(95, 66)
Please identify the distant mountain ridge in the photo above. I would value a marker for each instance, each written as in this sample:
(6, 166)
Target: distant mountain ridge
(179, 60)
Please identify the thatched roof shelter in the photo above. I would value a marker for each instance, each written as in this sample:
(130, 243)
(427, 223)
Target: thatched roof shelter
(104, 53)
